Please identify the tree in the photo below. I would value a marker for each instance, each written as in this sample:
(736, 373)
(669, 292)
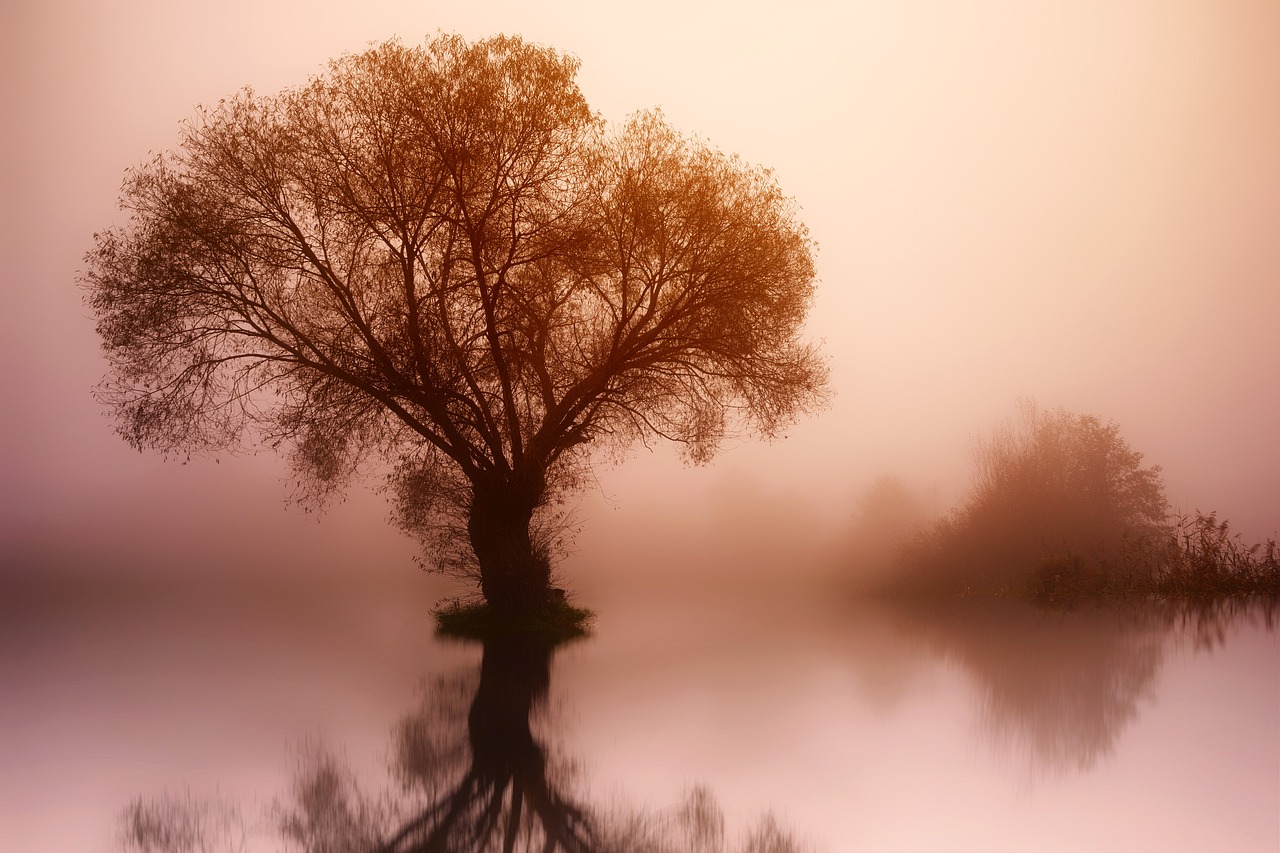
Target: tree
(1053, 492)
(438, 263)
(1069, 474)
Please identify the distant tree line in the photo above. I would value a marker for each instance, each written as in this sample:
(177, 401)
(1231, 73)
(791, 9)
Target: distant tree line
(1061, 508)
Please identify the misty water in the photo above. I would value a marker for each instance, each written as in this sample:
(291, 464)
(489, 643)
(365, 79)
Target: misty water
(802, 714)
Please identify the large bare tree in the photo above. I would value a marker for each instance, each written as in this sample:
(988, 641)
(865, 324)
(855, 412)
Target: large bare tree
(438, 262)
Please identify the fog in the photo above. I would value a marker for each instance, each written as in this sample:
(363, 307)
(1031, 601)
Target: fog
(1073, 201)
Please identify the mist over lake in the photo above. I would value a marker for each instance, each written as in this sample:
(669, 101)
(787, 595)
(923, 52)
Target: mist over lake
(840, 717)
(1071, 203)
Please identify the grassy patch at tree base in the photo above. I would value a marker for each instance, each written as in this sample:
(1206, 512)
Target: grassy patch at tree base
(554, 621)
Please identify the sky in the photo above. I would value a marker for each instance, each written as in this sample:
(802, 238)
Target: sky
(1073, 200)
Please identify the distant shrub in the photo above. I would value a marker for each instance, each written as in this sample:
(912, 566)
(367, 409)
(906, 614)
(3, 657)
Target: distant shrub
(1055, 495)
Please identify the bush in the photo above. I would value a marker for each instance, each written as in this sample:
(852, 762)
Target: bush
(1055, 496)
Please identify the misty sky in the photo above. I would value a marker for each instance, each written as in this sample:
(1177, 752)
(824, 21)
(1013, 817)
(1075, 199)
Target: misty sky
(1077, 201)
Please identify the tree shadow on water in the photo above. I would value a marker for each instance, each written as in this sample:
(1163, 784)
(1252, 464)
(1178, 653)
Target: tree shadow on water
(473, 769)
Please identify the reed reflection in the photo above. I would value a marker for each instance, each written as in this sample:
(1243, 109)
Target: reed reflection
(1058, 688)
(473, 768)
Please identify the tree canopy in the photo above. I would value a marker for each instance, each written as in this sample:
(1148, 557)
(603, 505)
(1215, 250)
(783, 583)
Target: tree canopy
(437, 261)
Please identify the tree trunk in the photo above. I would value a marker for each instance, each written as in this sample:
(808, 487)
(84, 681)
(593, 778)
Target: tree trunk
(515, 577)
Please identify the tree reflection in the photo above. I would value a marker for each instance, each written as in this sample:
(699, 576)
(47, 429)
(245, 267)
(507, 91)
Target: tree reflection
(1060, 687)
(506, 799)
(471, 777)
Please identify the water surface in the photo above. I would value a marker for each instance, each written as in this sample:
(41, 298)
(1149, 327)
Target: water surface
(843, 725)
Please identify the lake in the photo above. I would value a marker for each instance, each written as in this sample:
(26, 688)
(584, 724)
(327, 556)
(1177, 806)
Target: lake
(807, 717)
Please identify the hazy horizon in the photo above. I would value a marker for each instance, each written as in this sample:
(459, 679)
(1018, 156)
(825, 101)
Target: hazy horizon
(1075, 202)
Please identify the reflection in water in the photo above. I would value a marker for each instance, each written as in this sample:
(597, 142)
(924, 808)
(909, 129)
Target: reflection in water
(1206, 625)
(469, 779)
(1060, 687)
(507, 792)
(173, 824)
(478, 762)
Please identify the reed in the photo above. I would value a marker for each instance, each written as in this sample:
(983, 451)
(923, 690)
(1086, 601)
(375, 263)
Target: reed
(1196, 557)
